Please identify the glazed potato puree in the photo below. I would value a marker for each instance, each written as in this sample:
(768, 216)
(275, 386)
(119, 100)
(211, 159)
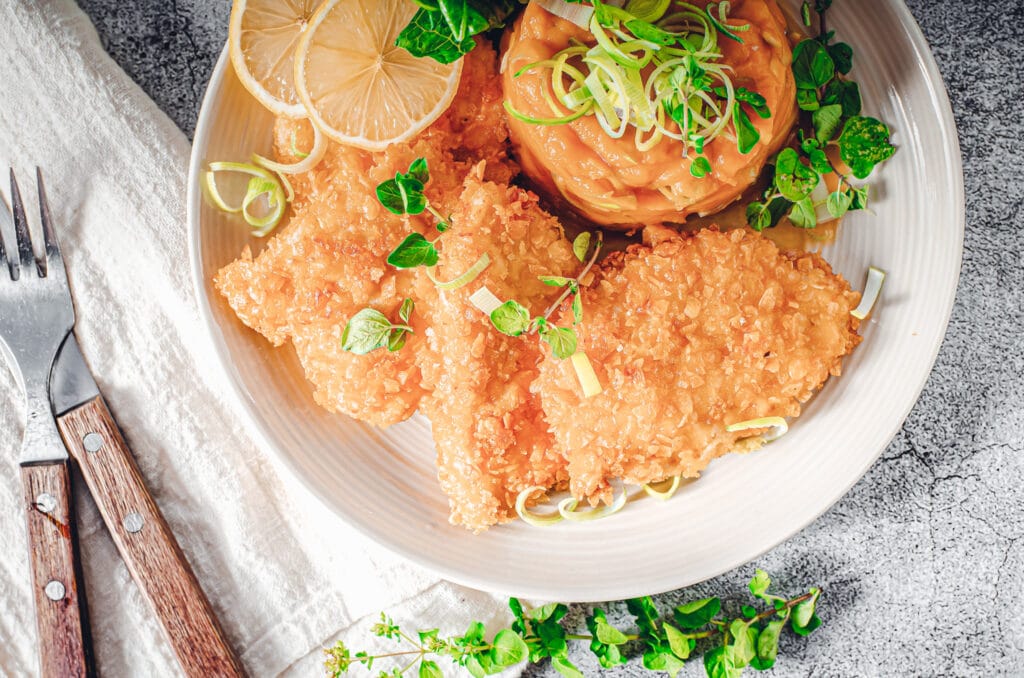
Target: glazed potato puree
(608, 180)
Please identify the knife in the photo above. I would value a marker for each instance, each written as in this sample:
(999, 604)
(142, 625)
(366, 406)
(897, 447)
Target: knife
(139, 530)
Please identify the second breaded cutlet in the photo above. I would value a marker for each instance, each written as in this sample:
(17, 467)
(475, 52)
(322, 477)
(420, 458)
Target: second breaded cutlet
(688, 334)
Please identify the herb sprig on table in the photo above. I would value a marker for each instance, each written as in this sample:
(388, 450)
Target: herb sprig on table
(831, 125)
(728, 644)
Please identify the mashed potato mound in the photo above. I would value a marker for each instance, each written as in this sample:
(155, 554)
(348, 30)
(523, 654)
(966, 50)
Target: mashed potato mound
(608, 180)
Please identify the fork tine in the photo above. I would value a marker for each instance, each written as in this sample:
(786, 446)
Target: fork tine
(6, 225)
(49, 235)
(21, 232)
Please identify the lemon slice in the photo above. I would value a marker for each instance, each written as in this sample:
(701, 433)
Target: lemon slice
(360, 88)
(262, 38)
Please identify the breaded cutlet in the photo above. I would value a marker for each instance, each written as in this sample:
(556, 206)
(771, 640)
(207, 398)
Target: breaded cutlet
(689, 334)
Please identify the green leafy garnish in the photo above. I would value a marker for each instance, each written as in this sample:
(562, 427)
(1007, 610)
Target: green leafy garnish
(831, 122)
(404, 195)
(369, 329)
(511, 318)
(535, 635)
(414, 251)
(443, 30)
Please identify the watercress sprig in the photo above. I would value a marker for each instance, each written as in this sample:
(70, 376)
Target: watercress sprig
(513, 319)
(831, 106)
(369, 329)
(404, 195)
(729, 645)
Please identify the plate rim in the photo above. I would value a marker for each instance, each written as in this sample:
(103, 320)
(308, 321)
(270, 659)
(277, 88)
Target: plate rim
(946, 124)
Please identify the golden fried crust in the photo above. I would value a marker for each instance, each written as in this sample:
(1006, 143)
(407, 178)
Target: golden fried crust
(688, 334)
(491, 438)
(329, 261)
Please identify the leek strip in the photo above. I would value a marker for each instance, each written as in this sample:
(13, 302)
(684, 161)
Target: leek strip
(464, 279)
(485, 301)
(778, 425)
(567, 509)
(312, 159)
(663, 495)
(585, 373)
(535, 519)
(872, 290)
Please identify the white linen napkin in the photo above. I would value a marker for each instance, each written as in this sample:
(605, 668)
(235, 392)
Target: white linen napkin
(285, 577)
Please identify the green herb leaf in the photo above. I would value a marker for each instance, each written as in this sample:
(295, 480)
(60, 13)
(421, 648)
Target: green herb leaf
(842, 56)
(860, 197)
(812, 65)
(662, 659)
(744, 642)
(803, 612)
(721, 27)
(519, 625)
(429, 669)
(406, 309)
(650, 32)
(577, 309)
(419, 171)
(581, 245)
(605, 640)
(718, 663)
(819, 161)
(807, 99)
(414, 251)
(838, 203)
(805, 13)
(646, 615)
(402, 195)
(793, 179)
(700, 167)
(512, 318)
(554, 280)
(803, 214)
(863, 144)
(428, 34)
(508, 648)
(747, 135)
(695, 614)
(826, 121)
(762, 215)
(397, 339)
(562, 340)
(845, 93)
(768, 645)
(759, 585)
(807, 630)
(680, 643)
(755, 100)
(366, 331)
(566, 668)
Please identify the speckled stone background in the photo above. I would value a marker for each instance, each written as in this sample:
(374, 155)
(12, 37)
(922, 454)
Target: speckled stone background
(922, 563)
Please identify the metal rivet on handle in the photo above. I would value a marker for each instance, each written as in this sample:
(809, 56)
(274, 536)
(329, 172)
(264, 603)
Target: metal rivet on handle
(45, 502)
(55, 590)
(93, 442)
(133, 522)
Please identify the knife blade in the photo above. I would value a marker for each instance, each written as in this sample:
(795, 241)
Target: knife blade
(71, 382)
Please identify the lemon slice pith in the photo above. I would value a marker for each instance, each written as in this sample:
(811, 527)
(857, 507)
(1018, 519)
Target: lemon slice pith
(361, 89)
(262, 38)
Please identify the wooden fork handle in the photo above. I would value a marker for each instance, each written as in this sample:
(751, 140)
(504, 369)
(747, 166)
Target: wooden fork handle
(146, 543)
(61, 619)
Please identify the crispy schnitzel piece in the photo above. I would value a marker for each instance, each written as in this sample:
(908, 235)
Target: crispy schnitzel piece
(492, 441)
(689, 334)
(329, 261)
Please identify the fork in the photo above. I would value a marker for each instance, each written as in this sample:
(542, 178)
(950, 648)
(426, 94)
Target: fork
(36, 316)
(67, 413)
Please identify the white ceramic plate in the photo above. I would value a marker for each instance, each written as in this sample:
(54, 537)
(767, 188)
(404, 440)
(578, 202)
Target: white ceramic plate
(383, 482)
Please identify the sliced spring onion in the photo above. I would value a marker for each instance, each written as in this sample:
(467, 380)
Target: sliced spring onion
(485, 300)
(778, 425)
(577, 14)
(872, 290)
(262, 183)
(301, 155)
(611, 81)
(535, 519)
(567, 509)
(585, 373)
(311, 160)
(464, 279)
(663, 495)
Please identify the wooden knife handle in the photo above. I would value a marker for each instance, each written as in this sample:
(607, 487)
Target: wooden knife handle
(61, 618)
(146, 543)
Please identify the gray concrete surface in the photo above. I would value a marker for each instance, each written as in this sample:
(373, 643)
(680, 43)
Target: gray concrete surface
(922, 563)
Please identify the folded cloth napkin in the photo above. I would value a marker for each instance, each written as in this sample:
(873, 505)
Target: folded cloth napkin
(285, 577)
